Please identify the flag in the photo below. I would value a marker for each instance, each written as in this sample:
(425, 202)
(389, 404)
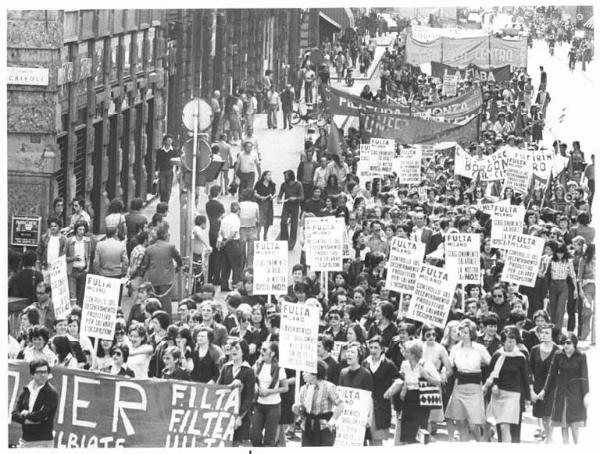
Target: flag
(334, 145)
(562, 115)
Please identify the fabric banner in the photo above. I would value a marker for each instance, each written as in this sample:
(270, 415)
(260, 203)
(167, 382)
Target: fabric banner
(451, 110)
(463, 256)
(408, 166)
(298, 335)
(424, 34)
(100, 303)
(324, 240)
(499, 74)
(541, 162)
(60, 287)
(98, 410)
(433, 296)
(485, 51)
(416, 130)
(382, 155)
(270, 267)
(523, 256)
(403, 265)
(506, 219)
(518, 171)
(354, 418)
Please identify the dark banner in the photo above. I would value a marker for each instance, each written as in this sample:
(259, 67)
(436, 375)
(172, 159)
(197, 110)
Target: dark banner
(499, 74)
(104, 411)
(452, 110)
(416, 130)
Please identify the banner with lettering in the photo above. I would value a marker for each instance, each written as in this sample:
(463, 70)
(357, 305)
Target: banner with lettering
(298, 336)
(518, 171)
(434, 293)
(506, 219)
(404, 264)
(97, 410)
(484, 51)
(523, 256)
(353, 421)
(60, 287)
(474, 72)
(463, 256)
(270, 267)
(424, 34)
(324, 243)
(100, 303)
(416, 130)
(451, 110)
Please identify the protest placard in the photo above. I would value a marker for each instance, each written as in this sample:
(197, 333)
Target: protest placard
(110, 411)
(463, 256)
(382, 155)
(427, 151)
(408, 166)
(449, 85)
(506, 219)
(324, 243)
(60, 287)
(363, 166)
(298, 336)
(518, 171)
(523, 256)
(433, 296)
(352, 423)
(494, 166)
(404, 265)
(100, 304)
(270, 267)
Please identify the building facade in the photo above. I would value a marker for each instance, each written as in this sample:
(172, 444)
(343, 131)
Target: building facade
(113, 82)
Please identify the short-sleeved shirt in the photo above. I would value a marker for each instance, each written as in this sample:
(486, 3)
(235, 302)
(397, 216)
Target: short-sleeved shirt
(469, 359)
(264, 381)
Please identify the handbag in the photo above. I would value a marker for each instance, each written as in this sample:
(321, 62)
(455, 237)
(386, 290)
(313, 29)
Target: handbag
(429, 396)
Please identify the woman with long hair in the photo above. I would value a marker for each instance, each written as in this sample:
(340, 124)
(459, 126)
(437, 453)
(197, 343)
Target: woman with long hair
(559, 269)
(237, 373)
(264, 192)
(332, 187)
(259, 322)
(62, 348)
(568, 377)
(185, 343)
(140, 352)
(540, 360)
(102, 357)
(586, 280)
(271, 382)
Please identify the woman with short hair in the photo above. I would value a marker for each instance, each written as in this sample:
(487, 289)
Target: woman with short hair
(119, 354)
(206, 357)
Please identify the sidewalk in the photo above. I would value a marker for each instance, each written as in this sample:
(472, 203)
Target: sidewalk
(382, 43)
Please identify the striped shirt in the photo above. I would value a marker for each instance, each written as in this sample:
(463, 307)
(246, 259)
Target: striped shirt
(559, 271)
(327, 397)
(135, 260)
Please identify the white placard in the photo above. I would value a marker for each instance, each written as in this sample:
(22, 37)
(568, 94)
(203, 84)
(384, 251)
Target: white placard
(433, 296)
(518, 171)
(506, 219)
(298, 335)
(382, 155)
(353, 420)
(27, 76)
(523, 256)
(324, 243)
(270, 267)
(60, 287)
(450, 85)
(408, 166)
(404, 265)
(100, 304)
(463, 256)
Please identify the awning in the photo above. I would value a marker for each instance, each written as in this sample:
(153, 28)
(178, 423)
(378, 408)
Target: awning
(330, 20)
(590, 23)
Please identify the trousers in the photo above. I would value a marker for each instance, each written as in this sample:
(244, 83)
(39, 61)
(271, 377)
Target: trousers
(265, 418)
(558, 292)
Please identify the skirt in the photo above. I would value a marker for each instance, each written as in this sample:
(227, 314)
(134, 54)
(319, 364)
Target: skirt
(265, 211)
(504, 407)
(466, 403)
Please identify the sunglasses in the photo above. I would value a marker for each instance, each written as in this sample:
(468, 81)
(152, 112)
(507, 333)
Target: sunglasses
(334, 317)
(120, 333)
(429, 335)
(498, 296)
(117, 354)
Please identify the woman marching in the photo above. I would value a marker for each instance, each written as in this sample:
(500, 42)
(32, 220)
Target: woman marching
(568, 378)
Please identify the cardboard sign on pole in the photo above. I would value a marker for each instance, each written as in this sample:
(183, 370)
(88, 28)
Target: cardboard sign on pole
(506, 219)
(463, 256)
(404, 265)
(382, 156)
(433, 296)
(353, 420)
(60, 287)
(324, 243)
(100, 304)
(298, 336)
(523, 257)
(270, 267)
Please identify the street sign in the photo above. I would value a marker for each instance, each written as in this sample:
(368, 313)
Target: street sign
(26, 230)
(202, 156)
(204, 118)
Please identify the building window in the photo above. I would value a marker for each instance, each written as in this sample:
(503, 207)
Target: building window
(99, 69)
(150, 49)
(71, 26)
(126, 61)
(114, 58)
(139, 61)
(85, 69)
